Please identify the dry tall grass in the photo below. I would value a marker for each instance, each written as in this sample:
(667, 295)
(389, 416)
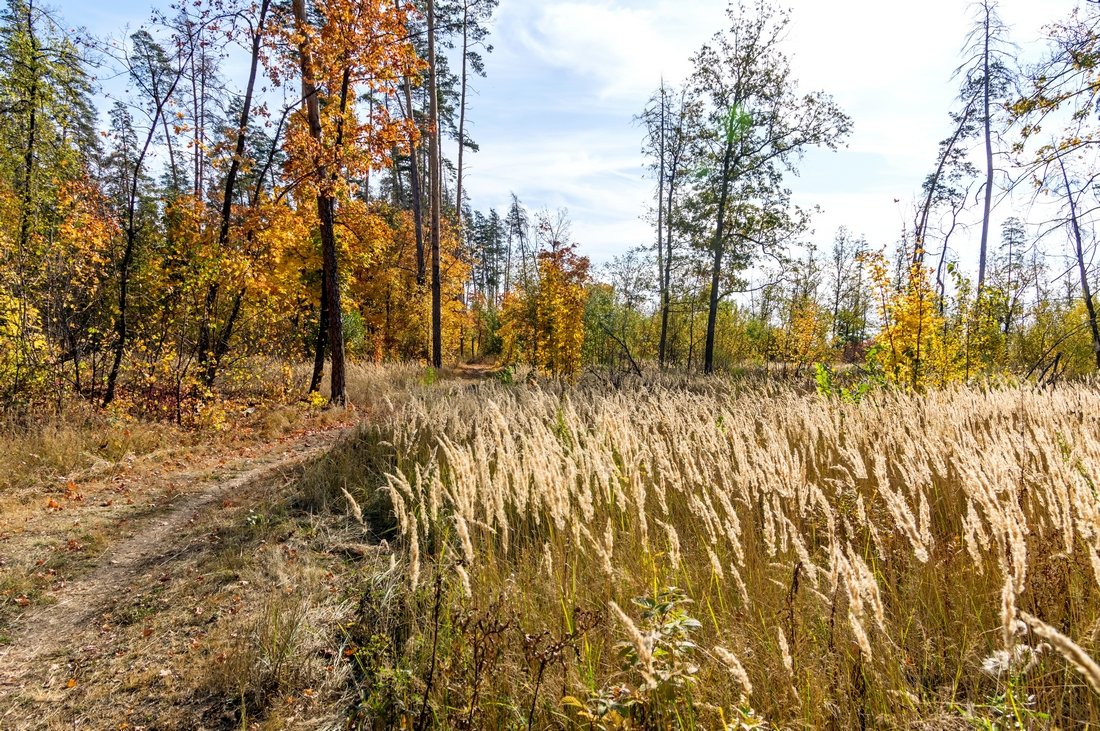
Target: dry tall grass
(864, 565)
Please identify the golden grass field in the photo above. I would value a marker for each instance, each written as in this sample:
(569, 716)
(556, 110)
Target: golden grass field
(899, 561)
(665, 553)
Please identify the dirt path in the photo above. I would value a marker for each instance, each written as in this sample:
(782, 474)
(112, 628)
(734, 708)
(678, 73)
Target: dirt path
(476, 371)
(131, 562)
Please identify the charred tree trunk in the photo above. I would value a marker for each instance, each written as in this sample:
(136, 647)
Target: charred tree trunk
(416, 194)
(319, 342)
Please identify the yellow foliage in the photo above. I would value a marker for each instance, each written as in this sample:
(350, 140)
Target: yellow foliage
(85, 230)
(805, 339)
(380, 247)
(358, 46)
(286, 249)
(546, 325)
(24, 351)
(517, 326)
(912, 348)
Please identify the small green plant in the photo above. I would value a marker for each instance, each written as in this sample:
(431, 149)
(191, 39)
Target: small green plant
(743, 718)
(828, 388)
(666, 620)
(1013, 707)
(561, 428)
(823, 377)
(506, 376)
(385, 690)
(1075, 462)
(658, 669)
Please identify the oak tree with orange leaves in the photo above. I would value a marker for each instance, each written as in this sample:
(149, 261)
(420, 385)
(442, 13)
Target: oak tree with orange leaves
(342, 48)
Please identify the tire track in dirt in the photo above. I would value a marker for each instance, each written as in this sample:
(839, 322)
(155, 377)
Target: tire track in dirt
(45, 632)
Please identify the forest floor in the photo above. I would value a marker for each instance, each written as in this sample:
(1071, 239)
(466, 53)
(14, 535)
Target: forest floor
(119, 576)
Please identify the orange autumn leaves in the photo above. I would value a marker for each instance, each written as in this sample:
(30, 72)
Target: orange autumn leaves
(356, 49)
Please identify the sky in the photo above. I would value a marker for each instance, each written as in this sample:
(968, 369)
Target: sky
(566, 78)
(555, 115)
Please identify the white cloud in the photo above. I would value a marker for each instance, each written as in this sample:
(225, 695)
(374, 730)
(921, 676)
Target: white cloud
(624, 48)
(568, 77)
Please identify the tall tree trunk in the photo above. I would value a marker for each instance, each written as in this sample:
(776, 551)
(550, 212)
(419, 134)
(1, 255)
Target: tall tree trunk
(666, 282)
(987, 126)
(121, 325)
(1013, 295)
(672, 174)
(719, 250)
(437, 197)
(326, 205)
(32, 138)
(335, 321)
(464, 80)
(416, 195)
(196, 114)
(320, 341)
(27, 196)
(691, 334)
(28, 168)
(663, 112)
(1082, 267)
(507, 267)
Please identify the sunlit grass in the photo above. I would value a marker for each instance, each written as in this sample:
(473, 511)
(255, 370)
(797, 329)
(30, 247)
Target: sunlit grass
(861, 560)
